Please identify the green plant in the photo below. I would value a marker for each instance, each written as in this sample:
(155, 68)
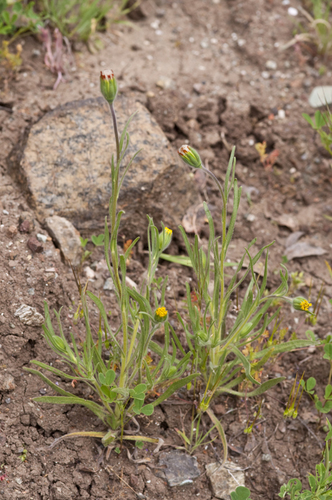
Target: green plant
(318, 30)
(216, 344)
(321, 122)
(18, 17)
(241, 493)
(310, 384)
(121, 380)
(81, 18)
(195, 437)
(320, 483)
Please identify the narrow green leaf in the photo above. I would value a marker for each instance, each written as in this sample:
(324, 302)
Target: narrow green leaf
(174, 387)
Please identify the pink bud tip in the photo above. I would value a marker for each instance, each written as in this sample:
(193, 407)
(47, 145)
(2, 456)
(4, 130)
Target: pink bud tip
(107, 74)
(184, 150)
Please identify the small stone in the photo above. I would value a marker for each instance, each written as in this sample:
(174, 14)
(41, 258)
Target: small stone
(7, 401)
(31, 291)
(34, 245)
(292, 11)
(266, 457)
(265, 75)
(67, 237)
(7, 382)
(251, 217)
(109, 285)
(43, 391)
(25, 419)
(165, 83)
(29, 315)
(41, 237)
(26, 222)
(12, 326)
(271, 65)
(320, 96)
(219, 409)
(281, 114)
(12, 231)
(89, 273)
(26, 227)
(224, 479)
(198, 87)
(204, 44)
(5, 212)
(18, 480)
(12, 263)
(180, 469)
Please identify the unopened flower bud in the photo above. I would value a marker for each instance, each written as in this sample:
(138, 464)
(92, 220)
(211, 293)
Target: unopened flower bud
(108, 85)
(165, 238)
(301, 304)
(190, 156)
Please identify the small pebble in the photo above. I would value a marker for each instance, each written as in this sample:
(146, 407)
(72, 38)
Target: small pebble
(5, 212)
(292, 11)
(266, 457)
(265, 75)
(12, 326)
(41, 237)
(7, 401)
(271, 65)
(204, 44)
(31, 291)
(251, 217)
(281, 114)
(36, 53)
(43, 391)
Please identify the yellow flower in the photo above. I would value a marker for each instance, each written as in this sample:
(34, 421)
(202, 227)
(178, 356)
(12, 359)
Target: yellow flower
(165, 238)
(305, 305)
(161, 312)
(301, 304)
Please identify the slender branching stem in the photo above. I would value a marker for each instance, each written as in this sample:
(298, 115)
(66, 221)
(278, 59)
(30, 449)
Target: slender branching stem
(116, 133)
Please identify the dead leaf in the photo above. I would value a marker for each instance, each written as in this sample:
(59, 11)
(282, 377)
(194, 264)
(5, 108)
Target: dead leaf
(195, 218)
(293, 238)
(287, 220)
(303, 249)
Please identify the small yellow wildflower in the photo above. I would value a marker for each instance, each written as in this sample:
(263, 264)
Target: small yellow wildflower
(305, 305)
(165, 238)
(301, 304)
(161, 312)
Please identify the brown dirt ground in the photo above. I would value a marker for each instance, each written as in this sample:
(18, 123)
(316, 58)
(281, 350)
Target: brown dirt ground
(211, 57)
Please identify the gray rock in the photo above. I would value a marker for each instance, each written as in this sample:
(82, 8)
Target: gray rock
(65, 165)
(29, 315)
(7, 382)
(180, 469)
(321, 96)
(224, 479)
(66, 237)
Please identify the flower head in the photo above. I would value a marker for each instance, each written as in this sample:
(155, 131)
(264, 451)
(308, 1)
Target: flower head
(190, 156)
(160, 314)
(165, 238)
(108, 85)
(301, 304)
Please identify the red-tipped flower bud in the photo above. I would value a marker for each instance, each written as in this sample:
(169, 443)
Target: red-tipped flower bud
(190, 156)
(108, 85)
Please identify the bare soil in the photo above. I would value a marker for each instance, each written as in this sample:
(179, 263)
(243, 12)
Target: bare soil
(200, 68)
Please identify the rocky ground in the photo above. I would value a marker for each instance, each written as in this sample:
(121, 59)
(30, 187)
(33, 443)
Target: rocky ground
(211, 74)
